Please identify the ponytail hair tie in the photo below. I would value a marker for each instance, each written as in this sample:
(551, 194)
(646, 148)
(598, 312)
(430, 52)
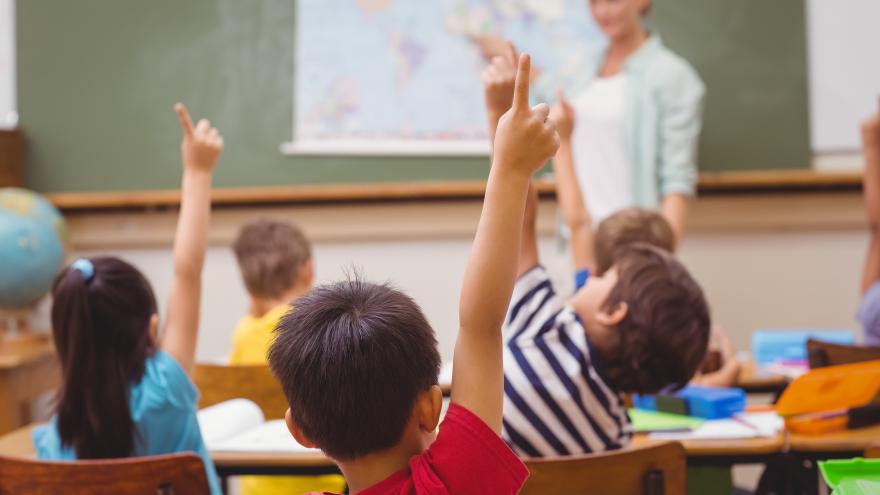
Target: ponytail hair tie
(84, 267)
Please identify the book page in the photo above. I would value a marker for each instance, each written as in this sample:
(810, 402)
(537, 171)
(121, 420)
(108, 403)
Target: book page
(271, 437)
(227, 419)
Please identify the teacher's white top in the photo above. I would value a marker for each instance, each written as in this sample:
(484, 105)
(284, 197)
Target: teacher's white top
(599, 145)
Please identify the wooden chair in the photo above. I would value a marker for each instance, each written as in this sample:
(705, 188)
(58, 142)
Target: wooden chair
(658, 469)
(873, 452)
(218, 383)
(823, 354)
(173, 474)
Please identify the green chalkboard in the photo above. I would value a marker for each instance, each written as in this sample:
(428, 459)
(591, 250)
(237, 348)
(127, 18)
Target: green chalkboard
(97, 80)
(752, 55)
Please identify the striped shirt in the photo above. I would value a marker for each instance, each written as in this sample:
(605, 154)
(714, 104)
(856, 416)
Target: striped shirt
(557, 400)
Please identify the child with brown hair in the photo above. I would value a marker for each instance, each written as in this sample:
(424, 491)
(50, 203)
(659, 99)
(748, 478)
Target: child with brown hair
(640, 326)
(275, 260)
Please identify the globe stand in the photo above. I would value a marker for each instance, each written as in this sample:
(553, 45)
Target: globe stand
(14, 323)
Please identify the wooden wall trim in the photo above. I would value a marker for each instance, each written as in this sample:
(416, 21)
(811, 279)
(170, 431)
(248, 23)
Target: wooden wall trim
(710, 183)
(445, 220)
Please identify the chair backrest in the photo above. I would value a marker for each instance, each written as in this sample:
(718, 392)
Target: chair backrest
(655, 469)
(173, 474)
(824, 354)
(219, 383)
(873, 452)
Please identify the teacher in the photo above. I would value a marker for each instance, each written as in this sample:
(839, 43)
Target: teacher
(638, 113)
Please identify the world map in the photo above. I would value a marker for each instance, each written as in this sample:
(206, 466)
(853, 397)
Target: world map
(408, 70)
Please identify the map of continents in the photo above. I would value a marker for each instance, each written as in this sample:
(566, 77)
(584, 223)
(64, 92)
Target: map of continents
(406, 70)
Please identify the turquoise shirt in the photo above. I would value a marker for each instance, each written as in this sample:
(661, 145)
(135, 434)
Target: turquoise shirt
(163, 407)
(664, 108)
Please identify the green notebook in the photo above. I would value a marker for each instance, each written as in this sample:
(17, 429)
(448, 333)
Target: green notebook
(852, 477)
(649, 421)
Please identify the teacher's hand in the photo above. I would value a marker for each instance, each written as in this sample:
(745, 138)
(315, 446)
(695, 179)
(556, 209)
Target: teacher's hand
(563, 114)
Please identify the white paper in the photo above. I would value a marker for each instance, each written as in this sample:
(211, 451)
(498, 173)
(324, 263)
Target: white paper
(743, 426)
(270, 437)
(228, 419)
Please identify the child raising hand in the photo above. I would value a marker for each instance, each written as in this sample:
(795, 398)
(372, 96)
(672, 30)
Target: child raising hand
(125, 392)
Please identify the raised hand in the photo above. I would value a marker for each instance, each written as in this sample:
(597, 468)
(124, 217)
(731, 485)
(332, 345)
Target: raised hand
(201, 145)
(563, 114)
(871, 136)
(526, 137)
(498, 82)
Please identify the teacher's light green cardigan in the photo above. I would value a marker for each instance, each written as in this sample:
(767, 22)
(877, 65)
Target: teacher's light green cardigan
(664, 108)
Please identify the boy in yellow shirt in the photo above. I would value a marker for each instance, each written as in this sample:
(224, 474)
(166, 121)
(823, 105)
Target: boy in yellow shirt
(275, 260)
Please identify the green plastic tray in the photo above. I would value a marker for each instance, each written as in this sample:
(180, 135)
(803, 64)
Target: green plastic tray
(852, 477)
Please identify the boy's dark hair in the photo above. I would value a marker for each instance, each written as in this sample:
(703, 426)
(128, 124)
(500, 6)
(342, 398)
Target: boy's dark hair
(352, 359)
(629, 226)
(665, 334)
(270, 254)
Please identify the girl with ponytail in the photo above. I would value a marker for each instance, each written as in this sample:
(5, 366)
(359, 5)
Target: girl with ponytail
(126, 389)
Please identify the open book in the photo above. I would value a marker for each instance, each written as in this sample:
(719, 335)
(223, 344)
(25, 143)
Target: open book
(741, 426)
(238, 425)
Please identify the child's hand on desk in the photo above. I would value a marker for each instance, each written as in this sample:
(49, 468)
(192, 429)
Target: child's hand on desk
(202, 144)
(498, 81)
(563, 114)
(526, 136)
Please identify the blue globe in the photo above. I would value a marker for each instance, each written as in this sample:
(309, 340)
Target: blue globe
(32, 241)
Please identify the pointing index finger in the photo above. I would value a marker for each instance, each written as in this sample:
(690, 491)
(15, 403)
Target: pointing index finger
(185, 120)
(521, 89)
(511, 53)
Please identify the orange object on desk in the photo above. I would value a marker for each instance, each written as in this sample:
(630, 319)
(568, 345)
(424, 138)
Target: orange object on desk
(831, 389)
(817, 424)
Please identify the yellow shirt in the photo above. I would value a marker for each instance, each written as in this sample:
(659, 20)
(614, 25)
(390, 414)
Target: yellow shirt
(250, 343)
(253, 336)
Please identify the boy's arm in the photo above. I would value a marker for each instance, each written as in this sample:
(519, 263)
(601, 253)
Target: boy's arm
(871, 140)
(525, 140)
(568, 191)
(200, 149)
(528, 247)
(498, 82)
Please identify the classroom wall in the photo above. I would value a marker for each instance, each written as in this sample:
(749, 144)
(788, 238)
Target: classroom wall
(8, 118)
(797, 265)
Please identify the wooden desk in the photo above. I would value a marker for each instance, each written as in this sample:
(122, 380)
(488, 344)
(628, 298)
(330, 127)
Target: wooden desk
(727, 452)
(847, 443)
(18, 443)
(256, 463)
(755, 381)
(28, 369)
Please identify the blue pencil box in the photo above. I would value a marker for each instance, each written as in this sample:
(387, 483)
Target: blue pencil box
(700, 402)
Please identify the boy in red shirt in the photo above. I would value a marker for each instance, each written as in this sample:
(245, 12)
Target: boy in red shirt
(358, 362)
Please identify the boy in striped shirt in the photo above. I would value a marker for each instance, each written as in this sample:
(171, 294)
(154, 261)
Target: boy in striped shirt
(642, 326)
